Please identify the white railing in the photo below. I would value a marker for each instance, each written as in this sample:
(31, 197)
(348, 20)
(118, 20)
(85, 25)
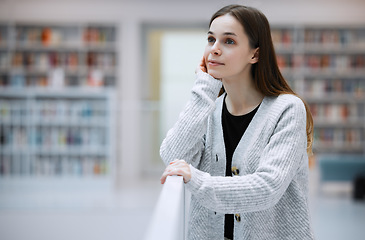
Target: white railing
(170, 216)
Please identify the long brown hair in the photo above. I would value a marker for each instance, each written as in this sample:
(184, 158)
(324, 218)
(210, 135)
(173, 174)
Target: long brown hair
(265, 73)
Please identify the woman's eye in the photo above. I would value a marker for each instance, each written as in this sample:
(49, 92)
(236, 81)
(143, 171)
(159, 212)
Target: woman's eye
(230, 41)
(211, 39)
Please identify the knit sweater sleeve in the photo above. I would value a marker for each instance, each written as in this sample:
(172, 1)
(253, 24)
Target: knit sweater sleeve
(280, 160)
(186, 139)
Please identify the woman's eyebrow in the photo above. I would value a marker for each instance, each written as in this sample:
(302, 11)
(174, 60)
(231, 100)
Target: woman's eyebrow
(225, 33)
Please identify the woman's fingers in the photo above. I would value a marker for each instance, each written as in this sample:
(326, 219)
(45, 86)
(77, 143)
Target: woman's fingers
(177, 167)
(163, 177)
(203, 67)
(168, 172)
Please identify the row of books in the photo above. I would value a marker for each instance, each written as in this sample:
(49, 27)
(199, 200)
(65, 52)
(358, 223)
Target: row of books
(337, 113)
(322, 61)
(53, 138)
(282, 36)
(335, 37)
(337, 86)
(69, 111)
(336, 62)
(99, 35)
(52, 166)
(328, 37)
(339, 137)
(288, 61)
(21, 80)
(58, 78)
(68, 34)
(69, 60)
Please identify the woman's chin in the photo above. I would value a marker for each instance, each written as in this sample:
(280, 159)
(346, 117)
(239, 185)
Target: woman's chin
(215, 74)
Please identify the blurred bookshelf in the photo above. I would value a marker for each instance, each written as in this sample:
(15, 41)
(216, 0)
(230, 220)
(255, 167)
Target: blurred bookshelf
(57, 100)
(326, 66)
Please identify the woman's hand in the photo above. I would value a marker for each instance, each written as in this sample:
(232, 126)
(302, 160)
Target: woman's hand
(202, 66)
(177, 167)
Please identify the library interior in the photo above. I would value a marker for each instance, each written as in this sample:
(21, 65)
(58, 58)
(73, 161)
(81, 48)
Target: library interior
(89, 89)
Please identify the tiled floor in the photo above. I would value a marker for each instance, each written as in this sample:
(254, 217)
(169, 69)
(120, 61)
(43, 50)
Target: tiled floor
(96, 212)
(335, 215)
(90, 211)
(338, 218)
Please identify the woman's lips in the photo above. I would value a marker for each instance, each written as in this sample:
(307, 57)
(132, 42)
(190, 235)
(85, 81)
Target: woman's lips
(214, 63)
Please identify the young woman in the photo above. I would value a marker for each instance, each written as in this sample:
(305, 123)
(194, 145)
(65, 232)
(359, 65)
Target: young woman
(242, 155)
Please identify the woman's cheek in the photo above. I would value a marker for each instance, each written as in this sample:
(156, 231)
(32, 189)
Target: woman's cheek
(207, 52)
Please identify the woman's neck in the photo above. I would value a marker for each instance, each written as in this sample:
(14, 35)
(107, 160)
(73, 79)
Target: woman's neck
(242, 96)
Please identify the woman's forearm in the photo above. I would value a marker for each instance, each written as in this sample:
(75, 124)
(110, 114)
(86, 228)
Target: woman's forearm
(186, 139)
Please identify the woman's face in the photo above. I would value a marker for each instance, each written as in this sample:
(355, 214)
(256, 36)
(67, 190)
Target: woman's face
(228, 53)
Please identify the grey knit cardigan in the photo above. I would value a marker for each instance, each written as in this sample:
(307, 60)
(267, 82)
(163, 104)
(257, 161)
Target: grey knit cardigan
(268, 194)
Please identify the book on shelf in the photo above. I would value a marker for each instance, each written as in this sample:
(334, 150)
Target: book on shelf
(282, 37)
(98, 35)
(289, 61)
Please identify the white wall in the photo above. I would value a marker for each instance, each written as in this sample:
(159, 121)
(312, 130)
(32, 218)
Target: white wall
(180, 54)
(131, 14)
(282, 11)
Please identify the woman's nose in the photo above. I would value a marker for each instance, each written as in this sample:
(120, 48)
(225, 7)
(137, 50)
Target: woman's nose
(216, 49)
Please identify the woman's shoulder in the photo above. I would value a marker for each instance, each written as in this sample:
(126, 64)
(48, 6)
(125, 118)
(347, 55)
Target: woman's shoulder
(286, 103)
(286, 100)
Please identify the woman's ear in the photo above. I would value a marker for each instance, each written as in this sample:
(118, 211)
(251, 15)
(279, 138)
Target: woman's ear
(255, 57)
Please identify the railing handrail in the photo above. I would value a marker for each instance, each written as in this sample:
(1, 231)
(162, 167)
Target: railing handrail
(168, 220)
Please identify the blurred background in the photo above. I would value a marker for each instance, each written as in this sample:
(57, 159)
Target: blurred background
(88, 90)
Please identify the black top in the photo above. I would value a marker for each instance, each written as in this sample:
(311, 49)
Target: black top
(233, 129)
